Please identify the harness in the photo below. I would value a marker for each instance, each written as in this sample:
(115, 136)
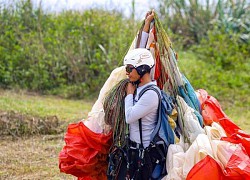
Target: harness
(151, 162)
(128, 161)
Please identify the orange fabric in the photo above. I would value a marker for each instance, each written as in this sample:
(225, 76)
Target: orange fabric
(207, 168)
(85, 152)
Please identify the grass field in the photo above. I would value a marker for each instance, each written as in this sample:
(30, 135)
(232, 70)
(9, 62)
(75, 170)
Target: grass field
(31, 158)
(36, 157)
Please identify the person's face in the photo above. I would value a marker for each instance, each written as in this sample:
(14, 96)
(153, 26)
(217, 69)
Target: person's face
(132, 73)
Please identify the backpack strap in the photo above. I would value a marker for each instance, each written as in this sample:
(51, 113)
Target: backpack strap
(158, 125)
(140, 128)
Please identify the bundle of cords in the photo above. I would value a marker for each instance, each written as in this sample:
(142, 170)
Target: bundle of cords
(114, 108)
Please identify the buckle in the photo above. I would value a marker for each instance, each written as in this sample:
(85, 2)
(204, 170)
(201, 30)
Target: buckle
(134, 145)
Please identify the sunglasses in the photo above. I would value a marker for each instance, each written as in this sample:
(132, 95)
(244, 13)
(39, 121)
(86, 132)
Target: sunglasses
(129, 69)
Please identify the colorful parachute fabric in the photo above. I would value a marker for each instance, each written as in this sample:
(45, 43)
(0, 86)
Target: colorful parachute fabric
(88, 141)
(85, 152)
(221, 153)
(211, 145)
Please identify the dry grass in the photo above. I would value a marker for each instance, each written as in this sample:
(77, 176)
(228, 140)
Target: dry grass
(36, 157)
(31, 158)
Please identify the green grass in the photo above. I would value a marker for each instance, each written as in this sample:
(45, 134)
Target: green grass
(42, 106)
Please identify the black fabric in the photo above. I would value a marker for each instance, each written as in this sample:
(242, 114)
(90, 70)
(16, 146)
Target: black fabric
(135, 145)
(143, 169)
(117, 164)
(128, 162)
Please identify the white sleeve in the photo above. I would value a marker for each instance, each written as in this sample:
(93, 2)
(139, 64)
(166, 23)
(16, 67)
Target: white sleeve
(144, 39)
(145, 105)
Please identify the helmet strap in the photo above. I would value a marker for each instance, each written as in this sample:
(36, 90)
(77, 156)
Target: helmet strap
(137, 82)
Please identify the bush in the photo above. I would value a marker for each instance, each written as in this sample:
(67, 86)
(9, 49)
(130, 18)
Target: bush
(224, 51)
(77, 50)
(224, 66)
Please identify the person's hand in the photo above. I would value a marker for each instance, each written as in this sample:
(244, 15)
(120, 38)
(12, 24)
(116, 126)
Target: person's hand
(149, 16)
(130, 88)
(148, 19)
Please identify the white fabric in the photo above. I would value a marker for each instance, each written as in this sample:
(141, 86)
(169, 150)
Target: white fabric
(151, 39)
(176, 171)
(151, 46)
(185, 161)
(144, 108)
(179, 163)
(188, 121)
(197, 151)
(144, 39)
(95, 121)
(172, 160)
(220, 129)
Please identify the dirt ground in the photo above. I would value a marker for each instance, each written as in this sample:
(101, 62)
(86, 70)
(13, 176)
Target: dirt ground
(31, 158)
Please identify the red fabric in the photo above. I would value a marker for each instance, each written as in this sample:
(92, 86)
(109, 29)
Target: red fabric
(240, 137)
(238, 166)
(207, 168)
(85, 152)
(160, 75)
(212, 112)
(229, 126)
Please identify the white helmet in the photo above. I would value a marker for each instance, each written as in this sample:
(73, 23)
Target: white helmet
(138, 57)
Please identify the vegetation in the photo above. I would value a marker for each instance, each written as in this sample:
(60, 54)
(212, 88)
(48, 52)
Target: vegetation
(71, 54)
(191, 20)
(217, 34)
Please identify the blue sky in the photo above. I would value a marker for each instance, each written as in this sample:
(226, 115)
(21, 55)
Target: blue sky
(141, 6)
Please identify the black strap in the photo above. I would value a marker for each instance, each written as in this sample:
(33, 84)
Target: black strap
(149, 87)
(140, 128)
(152, 87)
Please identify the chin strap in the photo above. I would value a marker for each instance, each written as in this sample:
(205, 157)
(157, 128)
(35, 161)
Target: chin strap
(137, 82)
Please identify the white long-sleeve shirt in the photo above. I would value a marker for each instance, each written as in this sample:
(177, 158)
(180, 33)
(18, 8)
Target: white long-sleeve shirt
(144, 39)
(146, 109)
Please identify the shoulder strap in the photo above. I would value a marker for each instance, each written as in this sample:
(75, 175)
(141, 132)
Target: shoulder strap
(140, 128)
(158, 125)
(149, 87)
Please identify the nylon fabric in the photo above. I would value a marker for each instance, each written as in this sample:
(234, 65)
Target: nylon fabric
(188, 122)
(85, 152)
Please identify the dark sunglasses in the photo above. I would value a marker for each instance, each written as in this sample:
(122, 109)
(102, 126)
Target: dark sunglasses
(129, 69)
